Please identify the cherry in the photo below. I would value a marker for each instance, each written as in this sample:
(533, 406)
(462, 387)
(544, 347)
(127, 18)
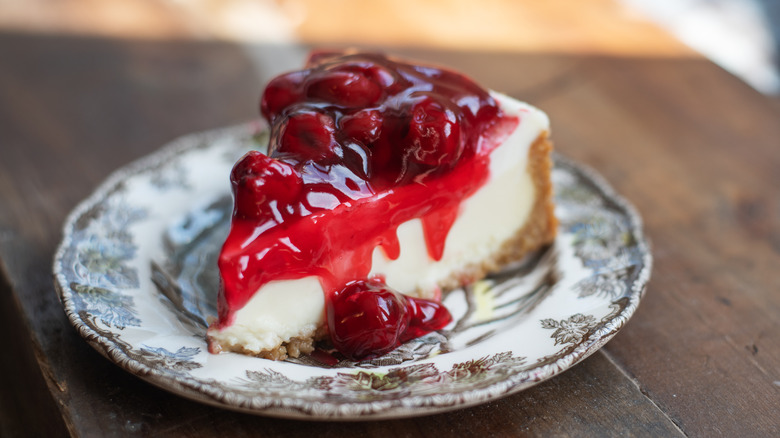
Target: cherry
(364, 126)
(350, 89)
(385, 77)
(257, 180)
(355, 62)
(367, 318)
(307, 134)
(280, 93)
(434, 136)
(425, 316)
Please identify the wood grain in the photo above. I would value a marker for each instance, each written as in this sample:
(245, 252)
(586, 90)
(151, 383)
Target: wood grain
(26, 406)
(691, 146)
(704, 172)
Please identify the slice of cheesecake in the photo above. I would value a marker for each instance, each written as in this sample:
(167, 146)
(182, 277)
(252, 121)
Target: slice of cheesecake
(381, 176)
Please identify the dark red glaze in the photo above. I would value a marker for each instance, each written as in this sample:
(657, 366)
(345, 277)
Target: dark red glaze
(366, 318)
(359, 145)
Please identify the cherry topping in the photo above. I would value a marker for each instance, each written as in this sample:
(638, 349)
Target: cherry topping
(306, 134)
(367, 318)
(434, 133)
(364, 126)
(425, 316)
(259, 180)
(350, 89)
(280, 93)
(415, 120)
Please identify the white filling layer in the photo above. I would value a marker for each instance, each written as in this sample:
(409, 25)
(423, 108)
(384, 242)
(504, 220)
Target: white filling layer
(282, 310)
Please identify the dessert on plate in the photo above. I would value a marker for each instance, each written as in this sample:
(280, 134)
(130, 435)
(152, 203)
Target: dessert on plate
(384, 184)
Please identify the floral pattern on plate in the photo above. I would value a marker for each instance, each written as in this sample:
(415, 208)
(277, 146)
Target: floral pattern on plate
(136, 273)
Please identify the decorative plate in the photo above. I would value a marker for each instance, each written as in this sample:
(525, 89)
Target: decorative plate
(136, 273)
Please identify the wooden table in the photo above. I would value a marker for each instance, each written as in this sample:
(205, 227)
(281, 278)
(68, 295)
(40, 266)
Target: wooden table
(696, 150)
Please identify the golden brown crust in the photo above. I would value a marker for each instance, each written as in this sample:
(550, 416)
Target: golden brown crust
(538, 231)
(541, 227)
(292, 348)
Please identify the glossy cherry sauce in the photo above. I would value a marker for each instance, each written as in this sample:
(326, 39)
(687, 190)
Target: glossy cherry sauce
(359, 145)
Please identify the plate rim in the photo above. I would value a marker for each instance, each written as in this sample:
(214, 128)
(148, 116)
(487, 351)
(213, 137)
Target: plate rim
(200, 392)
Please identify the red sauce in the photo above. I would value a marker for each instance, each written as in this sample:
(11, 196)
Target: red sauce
(359, 145)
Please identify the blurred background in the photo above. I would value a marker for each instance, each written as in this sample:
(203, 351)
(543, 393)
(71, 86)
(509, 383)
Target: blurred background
(740, 35)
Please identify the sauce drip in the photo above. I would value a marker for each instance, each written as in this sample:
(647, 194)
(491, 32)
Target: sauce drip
(359, 145)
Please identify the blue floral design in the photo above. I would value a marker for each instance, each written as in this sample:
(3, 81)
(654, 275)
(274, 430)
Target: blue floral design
(100, 264)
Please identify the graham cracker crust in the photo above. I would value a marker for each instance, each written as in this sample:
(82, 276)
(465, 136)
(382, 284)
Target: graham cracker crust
(304, 343)
(537, 232)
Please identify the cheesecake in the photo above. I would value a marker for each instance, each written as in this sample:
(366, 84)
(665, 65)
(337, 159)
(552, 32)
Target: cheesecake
(384, 185)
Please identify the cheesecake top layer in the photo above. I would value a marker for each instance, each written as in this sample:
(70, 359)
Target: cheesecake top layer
(359, 144)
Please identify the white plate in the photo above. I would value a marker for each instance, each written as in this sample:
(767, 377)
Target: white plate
(137, 277)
